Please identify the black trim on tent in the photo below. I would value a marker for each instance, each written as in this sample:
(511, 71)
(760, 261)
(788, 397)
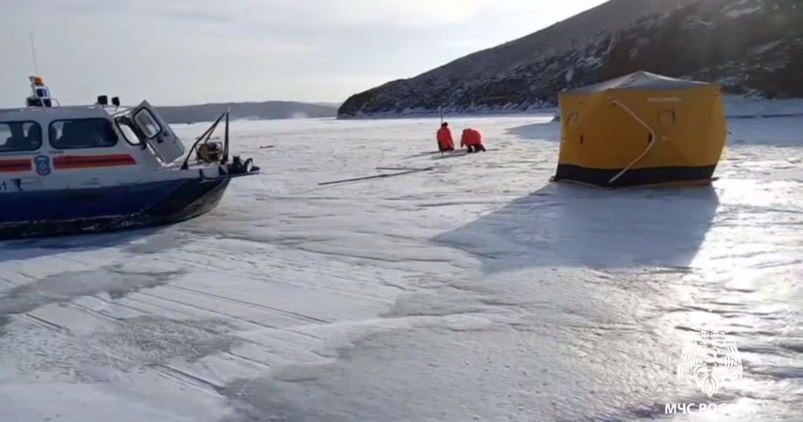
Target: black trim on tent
(633, 177)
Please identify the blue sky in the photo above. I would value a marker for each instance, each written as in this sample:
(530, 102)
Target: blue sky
(197, 51)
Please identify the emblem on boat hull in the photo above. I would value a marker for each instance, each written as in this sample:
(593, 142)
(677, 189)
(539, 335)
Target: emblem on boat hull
(42, 165)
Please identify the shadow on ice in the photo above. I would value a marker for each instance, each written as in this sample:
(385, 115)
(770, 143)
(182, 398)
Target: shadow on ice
(572, 226)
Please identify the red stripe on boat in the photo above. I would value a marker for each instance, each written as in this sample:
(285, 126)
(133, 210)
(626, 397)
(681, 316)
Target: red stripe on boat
(70, 162)
(15, 165)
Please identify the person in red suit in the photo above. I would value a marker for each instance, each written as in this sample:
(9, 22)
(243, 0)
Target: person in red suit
(444, 136)
(472, 140)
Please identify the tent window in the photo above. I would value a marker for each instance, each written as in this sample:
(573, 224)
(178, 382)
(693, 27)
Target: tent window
(572, 119)
(667, 117)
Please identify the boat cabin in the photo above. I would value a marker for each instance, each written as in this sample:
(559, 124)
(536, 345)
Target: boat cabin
(43, 140)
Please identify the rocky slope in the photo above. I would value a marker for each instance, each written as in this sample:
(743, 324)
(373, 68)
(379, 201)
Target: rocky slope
(747, 46)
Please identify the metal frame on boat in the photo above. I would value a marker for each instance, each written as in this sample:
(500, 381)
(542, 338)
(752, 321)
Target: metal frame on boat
(68, 170)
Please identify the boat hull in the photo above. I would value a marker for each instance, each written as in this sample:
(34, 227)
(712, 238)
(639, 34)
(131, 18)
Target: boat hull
(107, 209)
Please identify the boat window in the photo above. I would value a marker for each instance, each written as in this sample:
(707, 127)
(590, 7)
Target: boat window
(147, 123)
(132, 135)
(82, 133)
(20, 136)
(129, 132)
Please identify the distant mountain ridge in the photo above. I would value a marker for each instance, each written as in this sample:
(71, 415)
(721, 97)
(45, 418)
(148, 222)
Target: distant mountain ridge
(266, 110)
(746, 46)
(328, 104)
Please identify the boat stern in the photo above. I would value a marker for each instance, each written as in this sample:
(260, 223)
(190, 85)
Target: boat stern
(208, 152)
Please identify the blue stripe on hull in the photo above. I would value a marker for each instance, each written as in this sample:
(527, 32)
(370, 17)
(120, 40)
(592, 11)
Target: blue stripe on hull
(107, 209)
(87, 203)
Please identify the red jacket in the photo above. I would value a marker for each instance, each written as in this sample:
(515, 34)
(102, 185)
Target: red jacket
(444, 136)
(470, 137)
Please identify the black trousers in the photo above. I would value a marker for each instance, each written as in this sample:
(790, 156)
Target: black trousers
(443, 148)
(476, 148)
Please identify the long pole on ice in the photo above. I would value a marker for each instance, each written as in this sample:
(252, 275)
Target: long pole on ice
(377, 176)
(440, 111)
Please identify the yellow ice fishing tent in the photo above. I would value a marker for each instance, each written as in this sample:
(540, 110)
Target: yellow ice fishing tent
(641, 129)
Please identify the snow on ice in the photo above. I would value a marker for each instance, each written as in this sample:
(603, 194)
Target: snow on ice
(475, 292)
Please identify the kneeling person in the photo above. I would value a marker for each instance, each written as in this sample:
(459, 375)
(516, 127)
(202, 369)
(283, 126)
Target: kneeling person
(472, 140)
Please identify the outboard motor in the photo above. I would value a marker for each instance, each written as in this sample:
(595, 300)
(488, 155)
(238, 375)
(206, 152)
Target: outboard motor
(238, 166)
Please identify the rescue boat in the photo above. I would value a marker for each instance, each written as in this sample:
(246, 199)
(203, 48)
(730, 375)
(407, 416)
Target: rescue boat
(68, 170)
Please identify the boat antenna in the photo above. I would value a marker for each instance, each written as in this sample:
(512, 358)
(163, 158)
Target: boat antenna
(33, 50)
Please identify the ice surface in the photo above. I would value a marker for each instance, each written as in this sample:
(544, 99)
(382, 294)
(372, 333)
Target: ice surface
(474, 292)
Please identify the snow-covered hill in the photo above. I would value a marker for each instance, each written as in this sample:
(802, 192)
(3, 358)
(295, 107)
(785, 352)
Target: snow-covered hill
(750, 47)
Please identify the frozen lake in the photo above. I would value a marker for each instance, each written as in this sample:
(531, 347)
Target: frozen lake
(474, 292)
